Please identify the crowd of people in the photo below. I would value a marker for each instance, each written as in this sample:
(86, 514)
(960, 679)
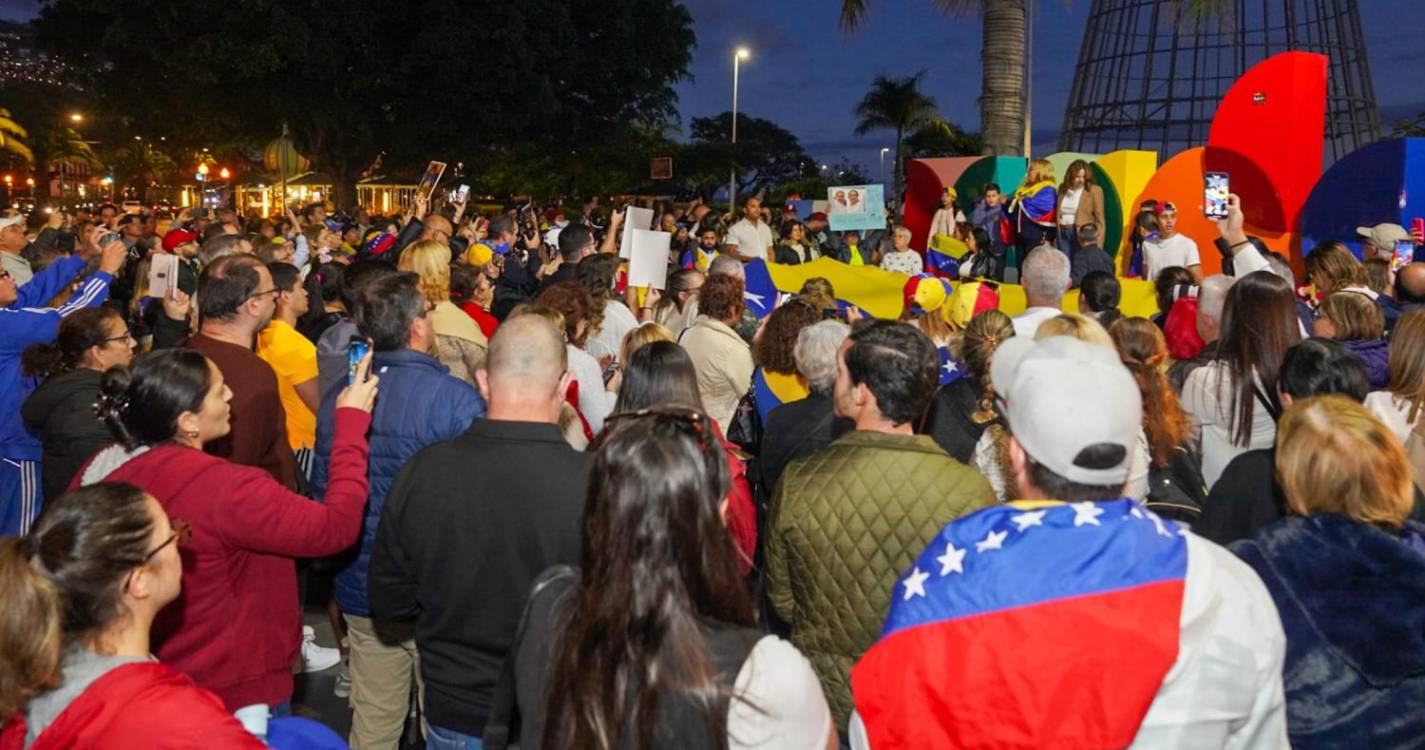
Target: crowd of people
(559, 510)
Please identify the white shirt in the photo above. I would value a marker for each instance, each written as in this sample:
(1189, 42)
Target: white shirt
(615, 323)
(777, 701)
(1178, 250)
(752, 241)
(1027, 323)
(905, 261)
(595, 402)
(1209, 399)
(944, 223)
(1069, 206)
(1393, 411)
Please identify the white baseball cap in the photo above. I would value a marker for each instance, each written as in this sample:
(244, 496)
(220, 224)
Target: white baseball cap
(6, 221)
(1063, 395)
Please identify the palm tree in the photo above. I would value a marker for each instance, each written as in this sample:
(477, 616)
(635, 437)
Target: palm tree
(141, 164)
(1002, 54)
(1001, 66)
(898, 104)
(12, 137)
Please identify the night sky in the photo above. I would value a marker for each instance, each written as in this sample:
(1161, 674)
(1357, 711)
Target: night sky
(807, 76)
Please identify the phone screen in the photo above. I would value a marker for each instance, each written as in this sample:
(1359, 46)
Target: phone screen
(356, 351)
(1214, 195)
(459, 194)
(1404, 253)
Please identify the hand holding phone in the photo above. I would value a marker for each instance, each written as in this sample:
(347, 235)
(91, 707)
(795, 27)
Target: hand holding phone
(357, 349)
(1216, 188)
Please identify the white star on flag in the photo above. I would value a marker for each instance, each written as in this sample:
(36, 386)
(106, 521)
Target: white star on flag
(1086, 513)
(756, 298)
(915, 584)
(993, 540)
(1030, 518)
(952, 560)
(1158, 522)
(950, 367)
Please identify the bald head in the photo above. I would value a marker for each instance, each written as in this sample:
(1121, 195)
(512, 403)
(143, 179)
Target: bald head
(437, 223)
(526, 353)
(1410, 284)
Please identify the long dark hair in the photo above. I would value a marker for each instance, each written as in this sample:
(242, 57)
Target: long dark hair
(141, 404)
(323, 284)
(1259, 324)
(78, 332)
(659, 373)
(61, 584)
(657, 563)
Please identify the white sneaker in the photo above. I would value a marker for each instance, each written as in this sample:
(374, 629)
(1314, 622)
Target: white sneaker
(342, 688)
(316, 658)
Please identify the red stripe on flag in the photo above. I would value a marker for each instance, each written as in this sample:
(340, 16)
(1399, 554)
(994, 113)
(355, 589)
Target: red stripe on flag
(1076, 672)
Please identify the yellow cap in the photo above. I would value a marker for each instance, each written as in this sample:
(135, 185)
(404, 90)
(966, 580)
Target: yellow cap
(479, 254)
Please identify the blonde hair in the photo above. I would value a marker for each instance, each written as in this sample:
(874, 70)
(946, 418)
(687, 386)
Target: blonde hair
(641, 336)
(429, 260)
(1039, 171)
(1081, 327)
(1407, 362)
(1334, 457)
(1354, 315)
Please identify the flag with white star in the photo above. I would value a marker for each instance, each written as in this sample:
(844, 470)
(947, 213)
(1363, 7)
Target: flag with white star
(1037, 624)
(759, 292)
(951, 369)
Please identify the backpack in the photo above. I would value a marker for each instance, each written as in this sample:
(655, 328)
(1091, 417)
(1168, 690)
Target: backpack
(1177, 491)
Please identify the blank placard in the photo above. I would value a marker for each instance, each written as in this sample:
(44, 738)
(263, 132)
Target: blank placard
(648, 258)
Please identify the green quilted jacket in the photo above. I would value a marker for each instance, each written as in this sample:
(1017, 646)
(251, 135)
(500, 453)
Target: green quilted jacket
(844, 523)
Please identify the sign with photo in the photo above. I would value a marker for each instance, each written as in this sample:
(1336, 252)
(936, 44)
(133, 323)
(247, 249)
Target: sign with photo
(858, 207)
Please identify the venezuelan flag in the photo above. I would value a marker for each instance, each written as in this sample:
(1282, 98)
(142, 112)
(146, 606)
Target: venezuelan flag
(774, 389)
(1028, 625)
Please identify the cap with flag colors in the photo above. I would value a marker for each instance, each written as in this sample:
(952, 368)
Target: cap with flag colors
(969, 299)
(1028, 625)
(925, 293)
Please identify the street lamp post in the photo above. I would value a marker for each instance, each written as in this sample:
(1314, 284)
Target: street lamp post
(737, 58)
(883, 164)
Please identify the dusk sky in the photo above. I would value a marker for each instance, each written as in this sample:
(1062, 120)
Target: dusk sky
(807, 76)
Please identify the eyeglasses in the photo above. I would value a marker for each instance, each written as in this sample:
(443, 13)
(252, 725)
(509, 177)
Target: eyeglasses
(255, 295)
(128, 336)
(696, 421)
(182, 532)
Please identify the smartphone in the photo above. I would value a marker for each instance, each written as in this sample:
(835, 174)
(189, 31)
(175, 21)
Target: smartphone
(1417, 226)
(162, 276)
(357, 349)
(459, 194)
(1214, 195)
(1404, 253)
(110, 237)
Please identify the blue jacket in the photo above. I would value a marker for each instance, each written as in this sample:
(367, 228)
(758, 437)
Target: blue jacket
(1352, 604)
(419, 404)
(25, 322)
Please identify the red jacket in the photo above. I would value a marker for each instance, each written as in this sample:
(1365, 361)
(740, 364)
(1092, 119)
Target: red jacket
(236, 627)
(741, 520)
(142, 706)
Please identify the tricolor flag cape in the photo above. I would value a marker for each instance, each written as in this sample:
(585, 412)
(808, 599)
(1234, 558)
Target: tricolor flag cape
(759, 292)
(1028, 625)
(774, 389)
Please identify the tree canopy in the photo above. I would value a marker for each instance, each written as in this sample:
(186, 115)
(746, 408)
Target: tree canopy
(482, 81)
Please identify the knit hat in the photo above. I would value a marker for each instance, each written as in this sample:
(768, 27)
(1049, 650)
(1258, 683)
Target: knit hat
(479, 254)
(1063, 396)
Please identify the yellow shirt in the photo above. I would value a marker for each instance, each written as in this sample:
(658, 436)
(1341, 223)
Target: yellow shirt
(294, 359)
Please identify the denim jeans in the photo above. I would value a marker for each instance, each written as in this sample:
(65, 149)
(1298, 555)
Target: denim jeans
(449, 739)
(1067, 241)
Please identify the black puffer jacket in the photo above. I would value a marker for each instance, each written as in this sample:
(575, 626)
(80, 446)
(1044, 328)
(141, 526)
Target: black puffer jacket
(61, 414)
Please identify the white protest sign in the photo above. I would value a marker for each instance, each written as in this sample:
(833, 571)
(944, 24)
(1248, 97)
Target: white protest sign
(633, 218)
(648, 258)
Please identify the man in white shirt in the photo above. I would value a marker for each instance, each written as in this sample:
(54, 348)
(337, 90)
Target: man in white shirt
(750, 238)
(1045, 275)
(1170, 248)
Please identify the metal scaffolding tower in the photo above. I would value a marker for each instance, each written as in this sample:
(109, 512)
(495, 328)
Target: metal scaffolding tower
(1150, 78)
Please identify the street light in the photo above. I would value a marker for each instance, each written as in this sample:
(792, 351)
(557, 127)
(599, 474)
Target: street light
(223, 173)
(883, 164)
(76, 117)
(738, 56)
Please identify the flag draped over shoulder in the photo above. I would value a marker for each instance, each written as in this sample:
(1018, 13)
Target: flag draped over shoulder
(1028, 625)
